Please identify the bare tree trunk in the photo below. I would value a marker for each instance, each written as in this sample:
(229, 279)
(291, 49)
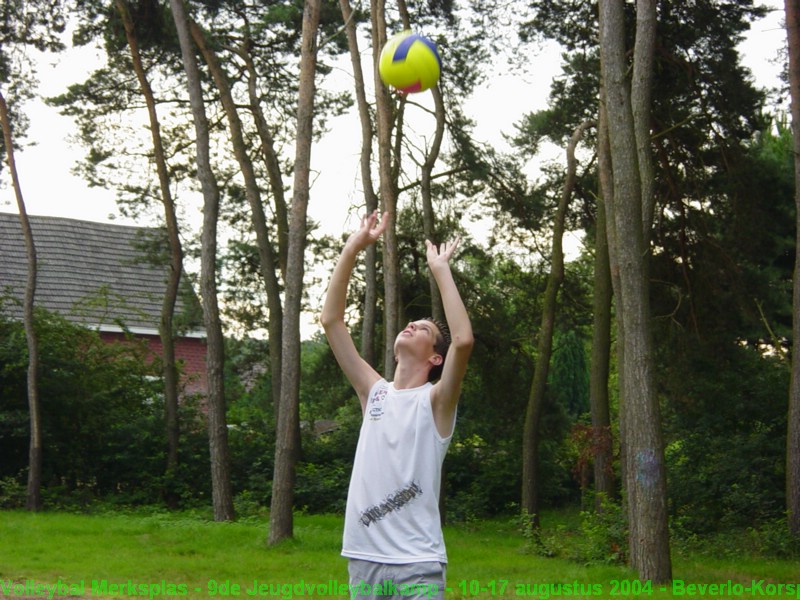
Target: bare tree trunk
(166, 332)
(270, 156)
(793, 435)
(428, 221)
(34, 492)
(404, 16)
(602, 442)
(388, 192)
(267, 261)
(645, 477)
(370, 315)
(274, 301)
(368, 345)
(641, 103)
(287, 443)
(544, 349)
(215, 357)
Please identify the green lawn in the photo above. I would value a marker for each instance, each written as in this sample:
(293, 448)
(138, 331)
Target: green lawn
(165, 555)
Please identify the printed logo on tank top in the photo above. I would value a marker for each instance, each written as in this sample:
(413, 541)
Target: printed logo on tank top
(375, 407)
(392, 503)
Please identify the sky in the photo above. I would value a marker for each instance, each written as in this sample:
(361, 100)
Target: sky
(49, 187)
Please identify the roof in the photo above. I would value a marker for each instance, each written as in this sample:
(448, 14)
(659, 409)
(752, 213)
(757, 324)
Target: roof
(99, 275)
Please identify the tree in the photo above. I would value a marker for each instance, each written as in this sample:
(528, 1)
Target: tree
(626, 105)
(602, 441)
(388, 129)
(533, 413)
(388, 169)
(268, 262)
(241, 48)
(287, 442)
(34, 496)
(215, 358)
(793, 434)
(368, 327)
(36, 24)
(426, 184)
(166, 327)
(704, 111)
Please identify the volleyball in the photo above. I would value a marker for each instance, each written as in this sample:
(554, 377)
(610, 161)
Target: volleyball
(409, 62)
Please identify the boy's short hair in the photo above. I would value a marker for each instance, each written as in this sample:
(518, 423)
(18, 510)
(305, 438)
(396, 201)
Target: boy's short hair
(441, 345)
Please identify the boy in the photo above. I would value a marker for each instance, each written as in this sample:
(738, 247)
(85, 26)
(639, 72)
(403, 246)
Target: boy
(392, 535)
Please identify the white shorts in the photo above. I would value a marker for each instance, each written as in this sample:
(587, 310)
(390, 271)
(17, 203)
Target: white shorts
(411, 581)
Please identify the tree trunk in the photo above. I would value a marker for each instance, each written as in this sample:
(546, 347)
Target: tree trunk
(645, 478)
(428, 220)
(368, 345)
(641, 103)
(388, 193)
(793, 434)
(34, 492)
(533, 413)
(602, 442)
(287, 442)
(272, 163)
(166, 330)
(268, 265)
(215, 355)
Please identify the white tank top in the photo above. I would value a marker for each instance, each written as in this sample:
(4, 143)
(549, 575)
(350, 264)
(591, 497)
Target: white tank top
(392, 511)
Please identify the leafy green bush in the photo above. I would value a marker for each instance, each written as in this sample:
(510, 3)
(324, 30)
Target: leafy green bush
(596, 537)
(725, 460)
(12, 493)
(322, 488)
(770, 539)
(480, 479)
(605, 534)
(773, 539)
(102, 421)
(323, 476)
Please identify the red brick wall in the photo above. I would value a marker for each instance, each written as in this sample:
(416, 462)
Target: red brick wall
(189, 352)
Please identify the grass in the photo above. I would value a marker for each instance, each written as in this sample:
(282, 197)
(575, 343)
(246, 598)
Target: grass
(160, 555)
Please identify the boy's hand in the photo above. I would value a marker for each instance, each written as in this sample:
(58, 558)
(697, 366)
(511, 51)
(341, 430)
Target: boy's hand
(440, 257)
(369, 231)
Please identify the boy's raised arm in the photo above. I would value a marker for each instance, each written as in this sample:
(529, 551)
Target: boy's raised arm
(448, 389)
(360, 374)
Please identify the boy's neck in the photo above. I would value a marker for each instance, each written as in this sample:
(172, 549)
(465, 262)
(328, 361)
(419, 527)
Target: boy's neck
(407, 376)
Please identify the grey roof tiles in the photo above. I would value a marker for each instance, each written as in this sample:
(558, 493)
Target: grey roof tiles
(95, 274)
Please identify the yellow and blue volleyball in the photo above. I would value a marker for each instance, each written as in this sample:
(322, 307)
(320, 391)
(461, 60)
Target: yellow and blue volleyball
(410, 62)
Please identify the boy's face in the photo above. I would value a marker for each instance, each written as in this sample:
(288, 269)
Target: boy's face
(420, 338)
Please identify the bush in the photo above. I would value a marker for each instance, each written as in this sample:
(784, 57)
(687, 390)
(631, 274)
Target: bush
(480, 480)
(727, 429)
(12, 493)
(598, 537)
(322, 488)
(101, 417)
(605, 534)
(774, 539)
(323, 477)
(770, 539)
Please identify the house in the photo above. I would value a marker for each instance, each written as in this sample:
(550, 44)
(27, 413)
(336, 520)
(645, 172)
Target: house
(105, 277)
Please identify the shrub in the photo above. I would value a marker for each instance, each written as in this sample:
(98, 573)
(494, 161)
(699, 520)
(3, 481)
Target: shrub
(605, 534)
(12, 493)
